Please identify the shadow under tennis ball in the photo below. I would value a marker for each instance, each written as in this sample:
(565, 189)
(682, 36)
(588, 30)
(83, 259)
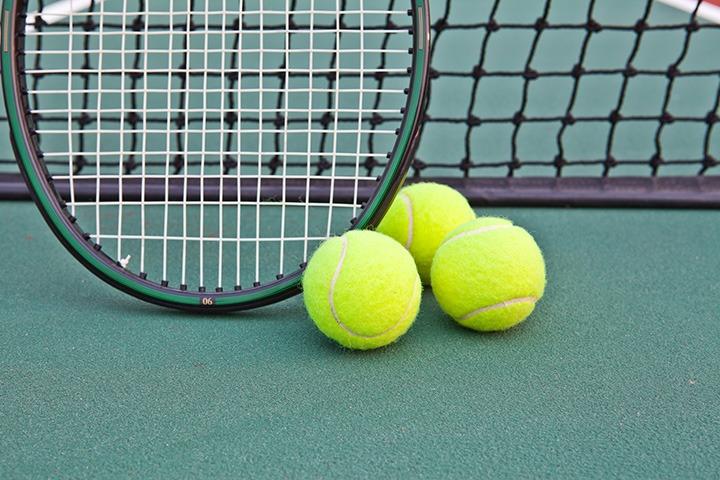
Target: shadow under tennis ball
(441, 325)
(433, 330)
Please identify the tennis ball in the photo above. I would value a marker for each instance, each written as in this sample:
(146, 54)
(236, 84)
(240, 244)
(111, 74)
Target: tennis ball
(488, 274)
(420, 218)
(362, 289)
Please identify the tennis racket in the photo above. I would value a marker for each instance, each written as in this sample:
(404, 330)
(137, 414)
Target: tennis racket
(195, 153)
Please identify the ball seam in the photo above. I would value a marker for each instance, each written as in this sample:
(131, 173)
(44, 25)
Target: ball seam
(409, 207)
(476, 231)
(335, 315)
(503, 304)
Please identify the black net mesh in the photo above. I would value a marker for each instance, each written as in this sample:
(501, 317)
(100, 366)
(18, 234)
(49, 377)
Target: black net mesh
(553, 88)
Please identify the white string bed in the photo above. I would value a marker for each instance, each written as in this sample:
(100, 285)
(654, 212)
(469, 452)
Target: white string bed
(145, 93)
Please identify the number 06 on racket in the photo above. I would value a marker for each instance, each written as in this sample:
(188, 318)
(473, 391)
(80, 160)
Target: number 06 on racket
(194, 153)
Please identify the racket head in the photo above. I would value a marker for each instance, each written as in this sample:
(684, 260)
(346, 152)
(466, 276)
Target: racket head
(52, 193)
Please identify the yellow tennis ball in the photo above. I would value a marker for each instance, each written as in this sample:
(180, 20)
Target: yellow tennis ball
(488, 274)
(420, 218)
(362, 289)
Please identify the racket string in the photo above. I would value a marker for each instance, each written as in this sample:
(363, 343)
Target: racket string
(163, 117)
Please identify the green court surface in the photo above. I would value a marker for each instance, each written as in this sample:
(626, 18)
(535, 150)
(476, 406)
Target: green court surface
(616, 374)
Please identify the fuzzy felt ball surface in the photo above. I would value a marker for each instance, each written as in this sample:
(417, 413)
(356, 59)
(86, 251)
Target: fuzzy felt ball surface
(488, 274)
(421, 216)
(362, 289)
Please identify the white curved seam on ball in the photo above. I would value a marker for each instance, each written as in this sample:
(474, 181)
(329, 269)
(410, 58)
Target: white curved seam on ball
(506, 303)
(331, 294)
(408, 206)
(477, 231)
(332, 301)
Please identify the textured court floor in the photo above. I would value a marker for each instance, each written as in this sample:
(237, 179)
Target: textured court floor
(616, 374)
